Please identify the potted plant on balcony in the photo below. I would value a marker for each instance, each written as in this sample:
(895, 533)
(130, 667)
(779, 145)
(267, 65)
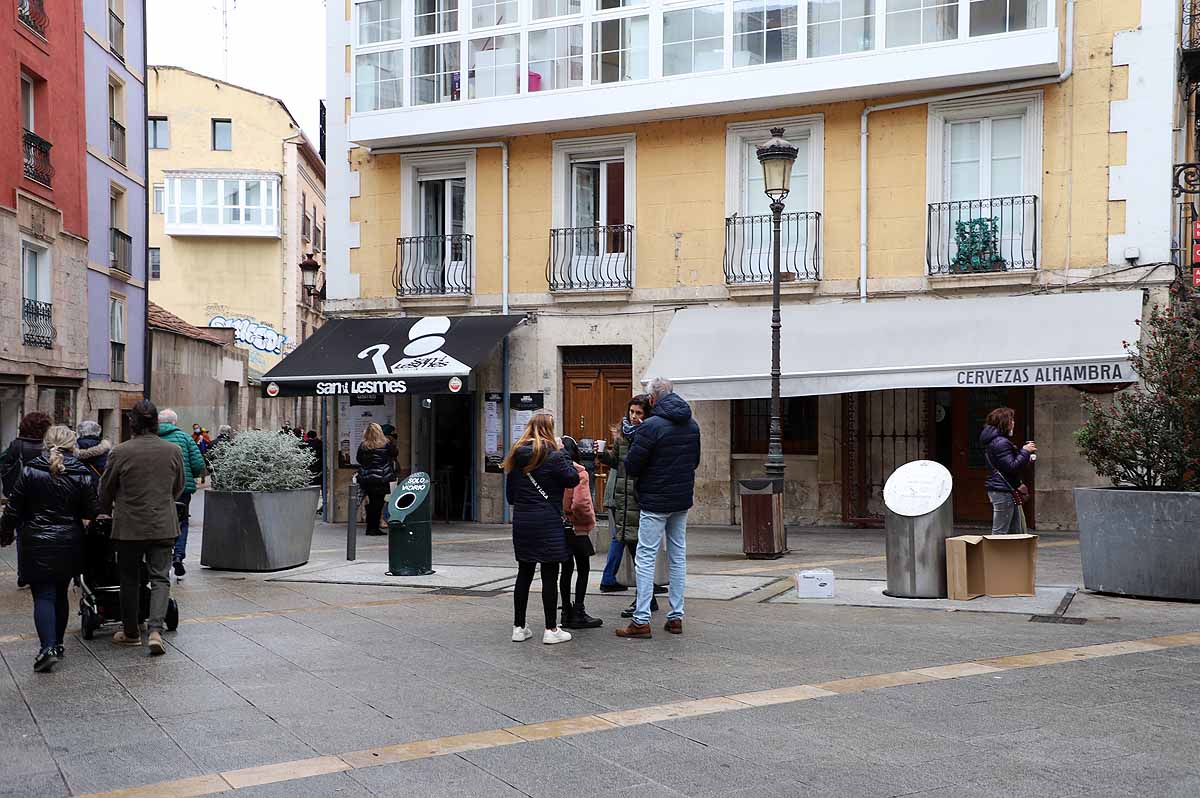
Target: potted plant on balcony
(259, 514)
(1141, 537)
(977, 243)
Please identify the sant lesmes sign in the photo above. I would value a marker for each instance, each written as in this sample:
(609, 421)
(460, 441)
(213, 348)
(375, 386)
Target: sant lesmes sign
(388, 356)
(1060, 339)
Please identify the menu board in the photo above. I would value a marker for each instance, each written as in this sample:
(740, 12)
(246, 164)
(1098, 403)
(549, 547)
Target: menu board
(521, 407)
(493, 454)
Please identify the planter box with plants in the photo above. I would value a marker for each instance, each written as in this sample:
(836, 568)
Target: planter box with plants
(1141, 537)
(259, 514)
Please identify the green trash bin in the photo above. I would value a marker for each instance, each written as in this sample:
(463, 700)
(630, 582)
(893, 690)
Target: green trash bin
(410, 527)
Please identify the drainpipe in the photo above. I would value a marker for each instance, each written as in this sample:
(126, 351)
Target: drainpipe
(961, 95)
(148, 190)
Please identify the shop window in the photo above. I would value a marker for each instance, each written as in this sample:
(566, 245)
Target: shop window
(752, 425)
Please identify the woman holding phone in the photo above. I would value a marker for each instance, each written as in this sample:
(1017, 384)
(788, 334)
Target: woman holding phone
(1004, 485)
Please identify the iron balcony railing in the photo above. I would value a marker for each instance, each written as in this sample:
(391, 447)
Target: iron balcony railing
(33, 14)
(116, 35)
(433, 265)
(120, 250)
(748, 247)
(37, 323)
(116, 141)
(591, 258)
(37, 158)
(986, 235)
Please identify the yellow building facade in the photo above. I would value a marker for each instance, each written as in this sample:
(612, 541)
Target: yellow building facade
(593, 167)
(238, 201)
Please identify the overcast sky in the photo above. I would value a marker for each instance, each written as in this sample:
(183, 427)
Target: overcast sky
(276, 47)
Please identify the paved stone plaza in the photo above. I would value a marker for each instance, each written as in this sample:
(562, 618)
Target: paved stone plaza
(335, 680)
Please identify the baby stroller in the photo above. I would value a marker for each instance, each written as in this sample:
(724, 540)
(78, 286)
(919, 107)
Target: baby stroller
(100, 584)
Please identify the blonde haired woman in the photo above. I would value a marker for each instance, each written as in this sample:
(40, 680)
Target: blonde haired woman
(53, 496)
(376, 456)
(537, 475)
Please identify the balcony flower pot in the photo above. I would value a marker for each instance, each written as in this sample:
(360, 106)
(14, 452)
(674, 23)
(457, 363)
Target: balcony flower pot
(260, 513)
(1141, 537)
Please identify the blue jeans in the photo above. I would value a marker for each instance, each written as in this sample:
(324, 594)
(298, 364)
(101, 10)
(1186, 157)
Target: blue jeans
(650, 534)
(50, 611)
(615, 550)
(181, 541)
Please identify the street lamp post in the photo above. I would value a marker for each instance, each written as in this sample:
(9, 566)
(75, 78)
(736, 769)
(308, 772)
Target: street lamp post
(309, 269)
(777, 157)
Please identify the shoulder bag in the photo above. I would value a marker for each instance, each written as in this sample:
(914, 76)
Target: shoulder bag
(1020, 493)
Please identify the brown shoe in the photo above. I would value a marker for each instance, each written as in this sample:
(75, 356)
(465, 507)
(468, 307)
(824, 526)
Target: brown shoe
(155, 644)
(635, 630)
(674, 626)
(121, 640)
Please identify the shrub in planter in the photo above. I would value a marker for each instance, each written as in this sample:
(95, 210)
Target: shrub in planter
(260, 513)
(1140, 537)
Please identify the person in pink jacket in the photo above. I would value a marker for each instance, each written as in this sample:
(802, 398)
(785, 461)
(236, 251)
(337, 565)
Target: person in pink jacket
(579, 512)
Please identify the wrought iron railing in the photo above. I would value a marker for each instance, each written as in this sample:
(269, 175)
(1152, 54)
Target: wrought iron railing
(999, 234)
(433, 265)
(116, 35)
(1189, 34)
(33, 14)
(748, 247)
(120, 250)
(591, 258)
(37, 323)
(37, 158)
(116, 141)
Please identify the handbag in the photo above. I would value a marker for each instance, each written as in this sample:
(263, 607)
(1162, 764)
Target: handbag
(1020, 494)
(568, 527)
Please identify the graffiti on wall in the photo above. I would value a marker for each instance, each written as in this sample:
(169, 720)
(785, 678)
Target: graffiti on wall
(252, 333)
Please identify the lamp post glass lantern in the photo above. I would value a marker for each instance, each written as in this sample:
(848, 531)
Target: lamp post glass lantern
(777, 157)
(309, 269)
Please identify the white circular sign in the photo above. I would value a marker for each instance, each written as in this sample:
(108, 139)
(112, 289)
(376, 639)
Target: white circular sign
(455, 385)
(272, 389)
(917, 488)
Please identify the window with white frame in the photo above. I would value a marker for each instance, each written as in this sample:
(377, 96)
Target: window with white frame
(158, 132)
(435, 74)
(379, 21)
(920, 21)
(621, 49)
(227, 205)
(605, 5)
(556, 58)
(984, 157)
(379, 80)
(748, 238)
(160, 194)
(437, 191)
(490, 13)
(35, 271)
(116, 338)
(764, 31)
(1002, 16)
(434, 16)
(494, 66)
(840, 26)
(545, 9)
(155, 263)
(693, 40)
(27, 103)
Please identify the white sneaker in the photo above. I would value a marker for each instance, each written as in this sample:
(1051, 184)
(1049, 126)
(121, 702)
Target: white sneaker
(520, 635)
(553, 636)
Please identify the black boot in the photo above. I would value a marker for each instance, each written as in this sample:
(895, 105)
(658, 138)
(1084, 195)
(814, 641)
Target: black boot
(567, 620)
(582, 620)
(628, 611)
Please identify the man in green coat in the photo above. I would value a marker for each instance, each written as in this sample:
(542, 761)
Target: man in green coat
(193, 467)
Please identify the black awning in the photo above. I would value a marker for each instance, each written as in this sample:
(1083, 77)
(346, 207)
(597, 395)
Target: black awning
(414, 354)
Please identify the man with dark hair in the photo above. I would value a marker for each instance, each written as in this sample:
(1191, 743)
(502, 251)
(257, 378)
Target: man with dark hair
(144, 477)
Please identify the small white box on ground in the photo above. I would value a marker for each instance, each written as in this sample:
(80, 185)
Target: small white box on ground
(817, 583)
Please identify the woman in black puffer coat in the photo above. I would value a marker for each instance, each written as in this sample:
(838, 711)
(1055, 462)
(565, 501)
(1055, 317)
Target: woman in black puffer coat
(52, 498)
(537, 474)
(376, 470)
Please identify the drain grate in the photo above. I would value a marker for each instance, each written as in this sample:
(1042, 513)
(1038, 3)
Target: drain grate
(464, 591)
(1060, 613)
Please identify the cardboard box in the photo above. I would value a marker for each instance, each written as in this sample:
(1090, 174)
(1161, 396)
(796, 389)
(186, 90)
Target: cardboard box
(817, 583)
(991, 565)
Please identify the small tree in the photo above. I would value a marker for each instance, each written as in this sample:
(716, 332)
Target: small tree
(1149, 438)
(261, 461)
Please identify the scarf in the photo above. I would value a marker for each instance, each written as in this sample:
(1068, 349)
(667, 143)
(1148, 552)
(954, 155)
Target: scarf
(628, 428)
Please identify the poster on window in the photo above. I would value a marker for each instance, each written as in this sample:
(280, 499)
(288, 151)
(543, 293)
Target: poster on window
(493, 455)
(355, 414)
(520, 409)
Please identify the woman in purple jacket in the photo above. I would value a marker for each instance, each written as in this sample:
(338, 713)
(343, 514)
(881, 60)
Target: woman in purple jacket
(1005, 462)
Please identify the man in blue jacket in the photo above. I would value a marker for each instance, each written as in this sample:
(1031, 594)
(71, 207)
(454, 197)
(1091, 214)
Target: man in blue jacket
(663, 455)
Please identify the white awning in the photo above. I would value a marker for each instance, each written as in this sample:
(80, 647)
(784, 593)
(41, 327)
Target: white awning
(725, 353)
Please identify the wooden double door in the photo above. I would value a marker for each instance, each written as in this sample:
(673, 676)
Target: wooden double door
(968, 413)
(594, 399)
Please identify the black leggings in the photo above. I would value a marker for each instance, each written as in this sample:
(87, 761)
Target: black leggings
(578, 561)
(549, 592)
(375, 502)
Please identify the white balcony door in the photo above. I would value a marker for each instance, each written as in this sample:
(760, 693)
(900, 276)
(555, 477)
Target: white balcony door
(597, 213)
(443, 222)
(755, 236)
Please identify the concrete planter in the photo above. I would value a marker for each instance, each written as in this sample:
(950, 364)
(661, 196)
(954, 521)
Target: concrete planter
(1140, 542)
(267, 531)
